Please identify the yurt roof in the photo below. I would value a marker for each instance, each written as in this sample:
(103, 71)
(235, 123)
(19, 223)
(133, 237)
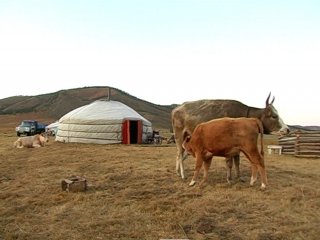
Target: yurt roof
(102, 111)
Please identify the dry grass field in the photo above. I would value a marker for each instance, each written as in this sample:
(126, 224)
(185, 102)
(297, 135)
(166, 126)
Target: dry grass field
(134, 193)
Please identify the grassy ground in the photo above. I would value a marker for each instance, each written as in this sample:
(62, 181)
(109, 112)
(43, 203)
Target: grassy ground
(134, 193)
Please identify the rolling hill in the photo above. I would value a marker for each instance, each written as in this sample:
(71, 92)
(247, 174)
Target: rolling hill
(52, 106)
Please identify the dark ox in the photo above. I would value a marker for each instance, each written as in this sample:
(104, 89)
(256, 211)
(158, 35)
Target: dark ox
(227, 137)
(188, 115)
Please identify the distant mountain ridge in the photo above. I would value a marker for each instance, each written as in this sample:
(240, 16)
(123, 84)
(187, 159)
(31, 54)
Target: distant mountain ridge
(55, 105)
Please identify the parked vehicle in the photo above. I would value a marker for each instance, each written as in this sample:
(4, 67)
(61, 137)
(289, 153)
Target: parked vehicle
(30, 127)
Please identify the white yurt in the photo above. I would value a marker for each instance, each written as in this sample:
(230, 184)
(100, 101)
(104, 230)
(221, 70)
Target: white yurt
(103, 122)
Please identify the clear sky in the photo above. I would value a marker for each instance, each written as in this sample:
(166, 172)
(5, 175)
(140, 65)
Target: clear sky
(167, 51)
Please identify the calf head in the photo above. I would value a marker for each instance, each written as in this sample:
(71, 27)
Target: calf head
(186, 139)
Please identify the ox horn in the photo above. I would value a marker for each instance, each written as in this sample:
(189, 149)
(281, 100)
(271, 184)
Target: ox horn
(267, 101)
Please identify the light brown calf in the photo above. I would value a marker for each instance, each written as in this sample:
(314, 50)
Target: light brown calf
(227, 137)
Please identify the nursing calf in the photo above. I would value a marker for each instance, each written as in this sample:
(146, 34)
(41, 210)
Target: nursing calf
(227, 137)
(37, 140)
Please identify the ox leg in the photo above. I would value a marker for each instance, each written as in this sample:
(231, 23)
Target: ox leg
(181, 156)
(178, 160)
(199, 162)
(229, 168)
(206, 166)
(236, 160)
(229, 162)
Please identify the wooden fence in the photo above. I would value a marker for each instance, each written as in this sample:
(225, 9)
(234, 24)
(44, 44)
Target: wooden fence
(301, 143)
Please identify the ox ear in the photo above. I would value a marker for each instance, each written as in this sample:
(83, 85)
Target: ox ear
(267, 101)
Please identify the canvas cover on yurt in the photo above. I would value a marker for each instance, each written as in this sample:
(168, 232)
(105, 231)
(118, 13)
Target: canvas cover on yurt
(103, 122)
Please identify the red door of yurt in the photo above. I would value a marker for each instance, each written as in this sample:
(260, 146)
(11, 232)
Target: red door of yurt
(132, 132)
(125, 132)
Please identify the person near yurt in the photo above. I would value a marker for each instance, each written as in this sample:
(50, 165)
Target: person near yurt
(103, 122)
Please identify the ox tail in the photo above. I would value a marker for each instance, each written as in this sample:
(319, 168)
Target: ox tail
(260, 127)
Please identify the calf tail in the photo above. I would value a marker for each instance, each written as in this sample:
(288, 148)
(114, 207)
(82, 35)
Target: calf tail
(260, 127)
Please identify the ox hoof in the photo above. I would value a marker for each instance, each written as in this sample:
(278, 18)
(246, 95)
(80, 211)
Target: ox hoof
(180, 175)
(192, 183)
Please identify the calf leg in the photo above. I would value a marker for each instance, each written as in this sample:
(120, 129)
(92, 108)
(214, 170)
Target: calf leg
(257, 163)
(262, 172)
(263, 176)
(254, 174)
(206, 166)
(199, 162)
